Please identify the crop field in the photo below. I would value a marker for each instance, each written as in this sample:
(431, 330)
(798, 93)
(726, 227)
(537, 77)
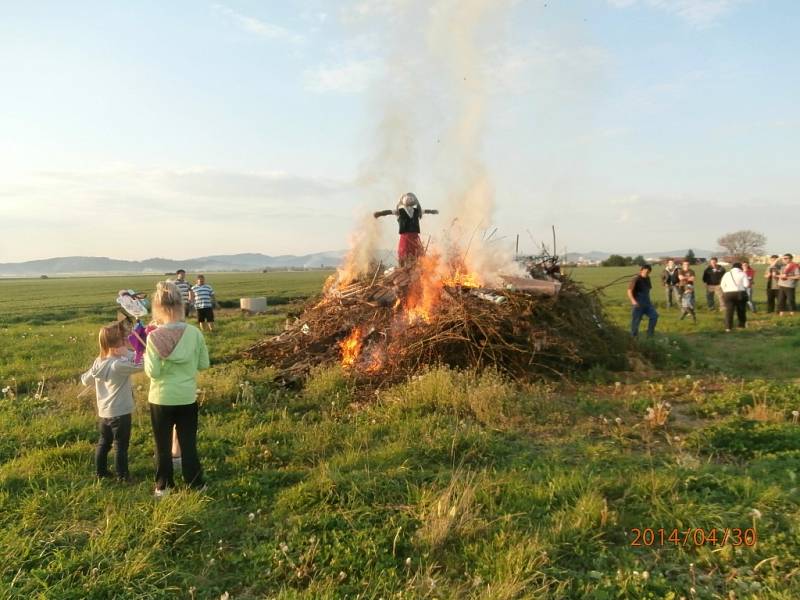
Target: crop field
(677, 478)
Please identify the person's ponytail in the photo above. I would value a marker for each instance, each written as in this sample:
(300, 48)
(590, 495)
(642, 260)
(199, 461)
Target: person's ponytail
(167, 302)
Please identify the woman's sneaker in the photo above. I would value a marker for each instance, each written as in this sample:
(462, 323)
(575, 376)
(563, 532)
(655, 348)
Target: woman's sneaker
(161, 493)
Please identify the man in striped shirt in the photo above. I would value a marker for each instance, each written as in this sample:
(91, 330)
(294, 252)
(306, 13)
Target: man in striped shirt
(186, 291)
(204, 303)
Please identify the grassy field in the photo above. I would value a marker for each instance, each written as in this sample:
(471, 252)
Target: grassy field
(48, 328)
(451, 485)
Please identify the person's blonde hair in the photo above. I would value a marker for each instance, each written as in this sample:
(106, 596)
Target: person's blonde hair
(167, 303)
(111, 337)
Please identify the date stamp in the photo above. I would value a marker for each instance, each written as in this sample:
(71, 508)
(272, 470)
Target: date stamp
(694, 536)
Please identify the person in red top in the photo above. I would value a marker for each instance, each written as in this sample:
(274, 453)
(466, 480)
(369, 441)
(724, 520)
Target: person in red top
(751, 277)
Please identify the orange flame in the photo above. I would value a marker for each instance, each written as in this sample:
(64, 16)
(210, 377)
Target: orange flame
(460, 278)
(377, 357)
(424, 294)
(351, 348)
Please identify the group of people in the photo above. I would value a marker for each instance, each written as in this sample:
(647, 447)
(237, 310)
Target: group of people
(175, 352)
(731, 291)
(199, 297)
(171, 355)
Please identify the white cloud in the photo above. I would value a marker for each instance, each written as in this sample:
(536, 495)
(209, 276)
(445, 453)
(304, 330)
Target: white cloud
(698, 13)
(351, 77)
(260, 27)
(135, 212)
(212, 193)
(367, 9)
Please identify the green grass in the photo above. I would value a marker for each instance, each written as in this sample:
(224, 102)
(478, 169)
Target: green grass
(48, 328)
(452, 485)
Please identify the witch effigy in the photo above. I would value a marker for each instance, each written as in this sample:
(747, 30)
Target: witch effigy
(408, 212)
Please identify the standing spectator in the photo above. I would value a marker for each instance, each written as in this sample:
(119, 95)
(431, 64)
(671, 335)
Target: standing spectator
(712, 277)
(685, 275)
(204, 303)
(186, 291)
(639, 295)
(110, 374)
(734, 295)
(175, 353)
(670, 279)
(751, 278)
(687, 303)
(772, 275)
(787, 284)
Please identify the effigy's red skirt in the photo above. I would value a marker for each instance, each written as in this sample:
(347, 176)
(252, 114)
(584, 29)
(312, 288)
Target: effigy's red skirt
(409, 247)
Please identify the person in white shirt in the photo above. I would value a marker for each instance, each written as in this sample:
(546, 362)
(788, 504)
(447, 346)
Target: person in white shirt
(734, 286)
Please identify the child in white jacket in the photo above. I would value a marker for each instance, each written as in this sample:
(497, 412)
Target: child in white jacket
(111, 374)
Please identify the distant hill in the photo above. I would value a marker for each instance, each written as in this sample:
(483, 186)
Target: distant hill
(76, 265)
(95, 265)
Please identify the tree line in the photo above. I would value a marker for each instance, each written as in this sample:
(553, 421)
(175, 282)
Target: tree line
(740, 245)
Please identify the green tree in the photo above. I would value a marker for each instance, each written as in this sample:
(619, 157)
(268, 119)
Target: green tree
(617, 260)
(691, 257)
(639, 260)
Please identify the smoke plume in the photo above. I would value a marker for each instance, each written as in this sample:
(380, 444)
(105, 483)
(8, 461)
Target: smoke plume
(430, 119)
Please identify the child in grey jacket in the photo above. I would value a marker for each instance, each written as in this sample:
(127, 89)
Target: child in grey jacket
(111, 373)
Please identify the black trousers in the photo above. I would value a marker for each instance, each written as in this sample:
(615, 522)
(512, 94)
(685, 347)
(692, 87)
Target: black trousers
(116, 431)
(184, 419)
(735, 301)
(772, 297)
(786, 299)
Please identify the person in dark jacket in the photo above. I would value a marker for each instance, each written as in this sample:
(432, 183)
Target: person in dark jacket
(639, 295)
(670, 279)
(408, 213)
(772, 275)
(712, 277)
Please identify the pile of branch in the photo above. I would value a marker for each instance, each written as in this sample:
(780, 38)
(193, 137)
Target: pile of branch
(517, 329)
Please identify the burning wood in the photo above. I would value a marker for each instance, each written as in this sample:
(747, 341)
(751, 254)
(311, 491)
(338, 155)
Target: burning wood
(387, 325)
(351, 347)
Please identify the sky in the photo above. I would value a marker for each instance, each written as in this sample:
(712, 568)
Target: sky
(189, 128)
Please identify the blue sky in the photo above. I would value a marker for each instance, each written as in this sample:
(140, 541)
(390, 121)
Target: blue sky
(190, 128)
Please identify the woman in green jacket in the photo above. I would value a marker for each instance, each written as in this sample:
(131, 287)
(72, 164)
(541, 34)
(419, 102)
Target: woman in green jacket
(175, 353)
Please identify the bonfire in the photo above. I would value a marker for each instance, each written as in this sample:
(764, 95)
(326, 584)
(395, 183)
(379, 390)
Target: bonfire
(386, 324)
